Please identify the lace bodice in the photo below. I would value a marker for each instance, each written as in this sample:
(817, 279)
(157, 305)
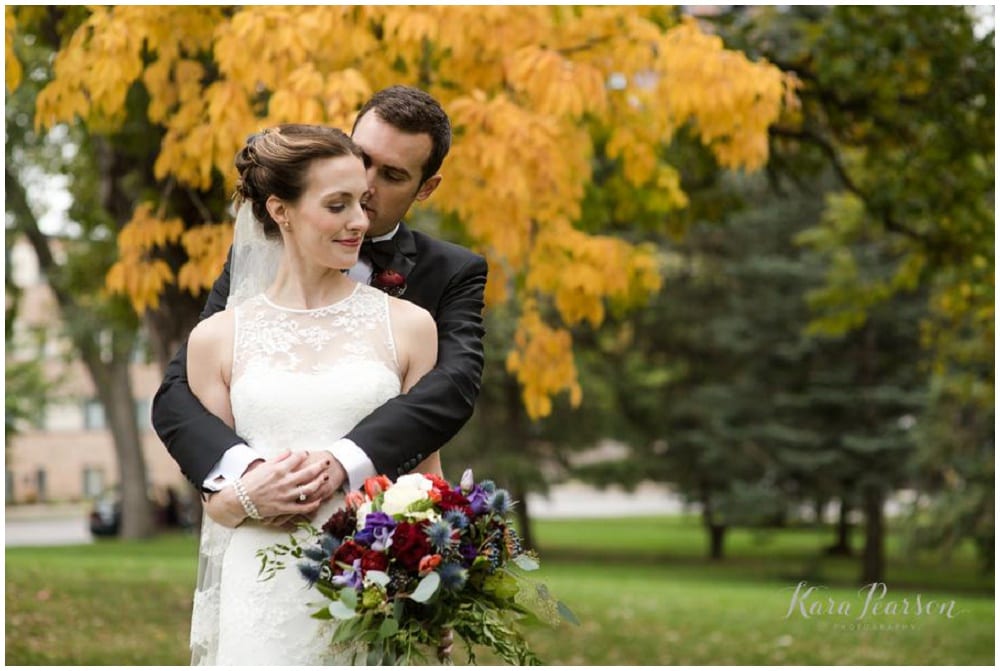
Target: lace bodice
(301, 379)
(304, 378)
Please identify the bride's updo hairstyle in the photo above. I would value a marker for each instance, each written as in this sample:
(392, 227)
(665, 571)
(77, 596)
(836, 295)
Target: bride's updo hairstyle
(275, 162)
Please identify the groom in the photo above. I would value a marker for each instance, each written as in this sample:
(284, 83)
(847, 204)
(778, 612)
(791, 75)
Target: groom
(404, 135)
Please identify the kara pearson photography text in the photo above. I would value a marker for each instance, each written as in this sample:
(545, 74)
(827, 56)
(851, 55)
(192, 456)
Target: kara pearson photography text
(873, 602)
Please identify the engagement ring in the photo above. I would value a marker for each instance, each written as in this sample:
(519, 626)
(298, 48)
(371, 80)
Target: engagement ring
(302, 496)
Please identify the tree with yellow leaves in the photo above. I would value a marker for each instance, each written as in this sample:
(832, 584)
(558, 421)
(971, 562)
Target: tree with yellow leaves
(530, 91)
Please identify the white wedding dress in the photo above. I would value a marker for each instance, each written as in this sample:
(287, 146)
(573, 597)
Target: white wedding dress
(301, 379)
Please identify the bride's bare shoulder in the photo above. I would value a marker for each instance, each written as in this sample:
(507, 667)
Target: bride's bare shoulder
(411, 319)
(212, 334)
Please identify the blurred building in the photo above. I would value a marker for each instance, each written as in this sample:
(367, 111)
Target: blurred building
(68, 454)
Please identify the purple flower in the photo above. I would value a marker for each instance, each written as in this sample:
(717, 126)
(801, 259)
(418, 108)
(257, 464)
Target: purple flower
(478, 500)
(467, 482)
(468, 552)
(377, 531)
(351, 577)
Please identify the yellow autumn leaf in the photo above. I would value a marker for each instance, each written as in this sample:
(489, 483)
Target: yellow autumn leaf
(532, 91)
(12, 65)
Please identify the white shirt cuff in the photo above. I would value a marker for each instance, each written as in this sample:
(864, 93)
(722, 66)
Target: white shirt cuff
(357, 464)
(231, 467)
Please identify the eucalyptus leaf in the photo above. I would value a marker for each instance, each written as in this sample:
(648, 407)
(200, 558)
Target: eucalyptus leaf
(526, 563)
(375, 655)
(341, 612)
(389, 628)
(349, 598)
(427, 587)
(323, 613)
(341, 635)
(566, 613)
(378, 577)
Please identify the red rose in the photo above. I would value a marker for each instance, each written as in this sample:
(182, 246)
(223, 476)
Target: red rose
(341, 523)
(390, 278)
(452, 500)
(372, 560)
(438, 483)
(409, 545)
(346, 554)
(390, 282)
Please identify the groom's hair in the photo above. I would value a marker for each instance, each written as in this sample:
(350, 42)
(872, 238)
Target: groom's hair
(276, 162)
(413, 111)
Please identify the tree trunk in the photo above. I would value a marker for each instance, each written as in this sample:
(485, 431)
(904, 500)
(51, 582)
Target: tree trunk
(842, 547)
(716, 531)
(119, 403)
(518, 433)
(873, 558)
(109, 374)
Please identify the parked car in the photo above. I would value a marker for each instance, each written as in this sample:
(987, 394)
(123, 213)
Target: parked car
(106, 513)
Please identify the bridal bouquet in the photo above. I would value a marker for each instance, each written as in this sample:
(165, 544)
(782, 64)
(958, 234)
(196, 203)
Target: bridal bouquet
(402, 561)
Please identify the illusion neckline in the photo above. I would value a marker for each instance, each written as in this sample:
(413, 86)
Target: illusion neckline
(357, 286)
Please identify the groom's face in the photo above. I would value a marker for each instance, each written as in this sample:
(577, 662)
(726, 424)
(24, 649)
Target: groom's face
(394, 162)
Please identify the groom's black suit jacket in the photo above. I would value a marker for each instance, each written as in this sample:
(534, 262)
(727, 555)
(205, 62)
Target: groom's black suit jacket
(448, 281)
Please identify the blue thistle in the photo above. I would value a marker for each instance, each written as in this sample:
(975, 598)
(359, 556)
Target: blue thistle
(310, 571)
(456, 518)
(488, 486)
(315, 553)
(329, 543)
(500, 502)
(440, 535)
(453, 576)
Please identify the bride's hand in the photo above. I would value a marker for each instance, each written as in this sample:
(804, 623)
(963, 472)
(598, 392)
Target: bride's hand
(275, 488)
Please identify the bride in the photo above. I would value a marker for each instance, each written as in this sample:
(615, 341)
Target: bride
(300, 355)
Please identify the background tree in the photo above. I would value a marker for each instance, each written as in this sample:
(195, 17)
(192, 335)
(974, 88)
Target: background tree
(102, 329)
(724, 394)
(905, 117)
(528, 90)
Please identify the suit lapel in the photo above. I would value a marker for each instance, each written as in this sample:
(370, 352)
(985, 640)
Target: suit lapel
(406, 244)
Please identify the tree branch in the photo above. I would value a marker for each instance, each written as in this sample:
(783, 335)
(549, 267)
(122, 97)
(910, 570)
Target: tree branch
(890, 223)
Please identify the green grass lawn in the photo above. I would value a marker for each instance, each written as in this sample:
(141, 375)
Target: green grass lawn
(641, 588)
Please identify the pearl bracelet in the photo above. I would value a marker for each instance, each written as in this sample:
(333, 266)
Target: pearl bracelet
(248, 506)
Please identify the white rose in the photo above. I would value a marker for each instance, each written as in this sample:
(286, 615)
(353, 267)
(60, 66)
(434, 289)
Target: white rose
(407, 490)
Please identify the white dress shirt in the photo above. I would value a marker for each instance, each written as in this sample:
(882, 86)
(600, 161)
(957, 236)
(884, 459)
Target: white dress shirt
(356, 463)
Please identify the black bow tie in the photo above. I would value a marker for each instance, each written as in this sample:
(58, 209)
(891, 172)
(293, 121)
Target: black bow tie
(379, 252)
(391, 254)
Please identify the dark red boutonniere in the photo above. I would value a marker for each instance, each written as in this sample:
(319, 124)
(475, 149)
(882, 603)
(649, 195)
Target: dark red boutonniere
(390, 282)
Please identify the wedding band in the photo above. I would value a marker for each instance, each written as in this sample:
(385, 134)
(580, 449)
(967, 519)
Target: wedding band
(302, 495)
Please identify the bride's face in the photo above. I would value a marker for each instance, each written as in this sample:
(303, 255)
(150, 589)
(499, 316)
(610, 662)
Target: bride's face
(328, 222)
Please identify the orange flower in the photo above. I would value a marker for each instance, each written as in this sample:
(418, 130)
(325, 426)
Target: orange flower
(428, 564)
(354, 500)
(439, 487)
(376, 484)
